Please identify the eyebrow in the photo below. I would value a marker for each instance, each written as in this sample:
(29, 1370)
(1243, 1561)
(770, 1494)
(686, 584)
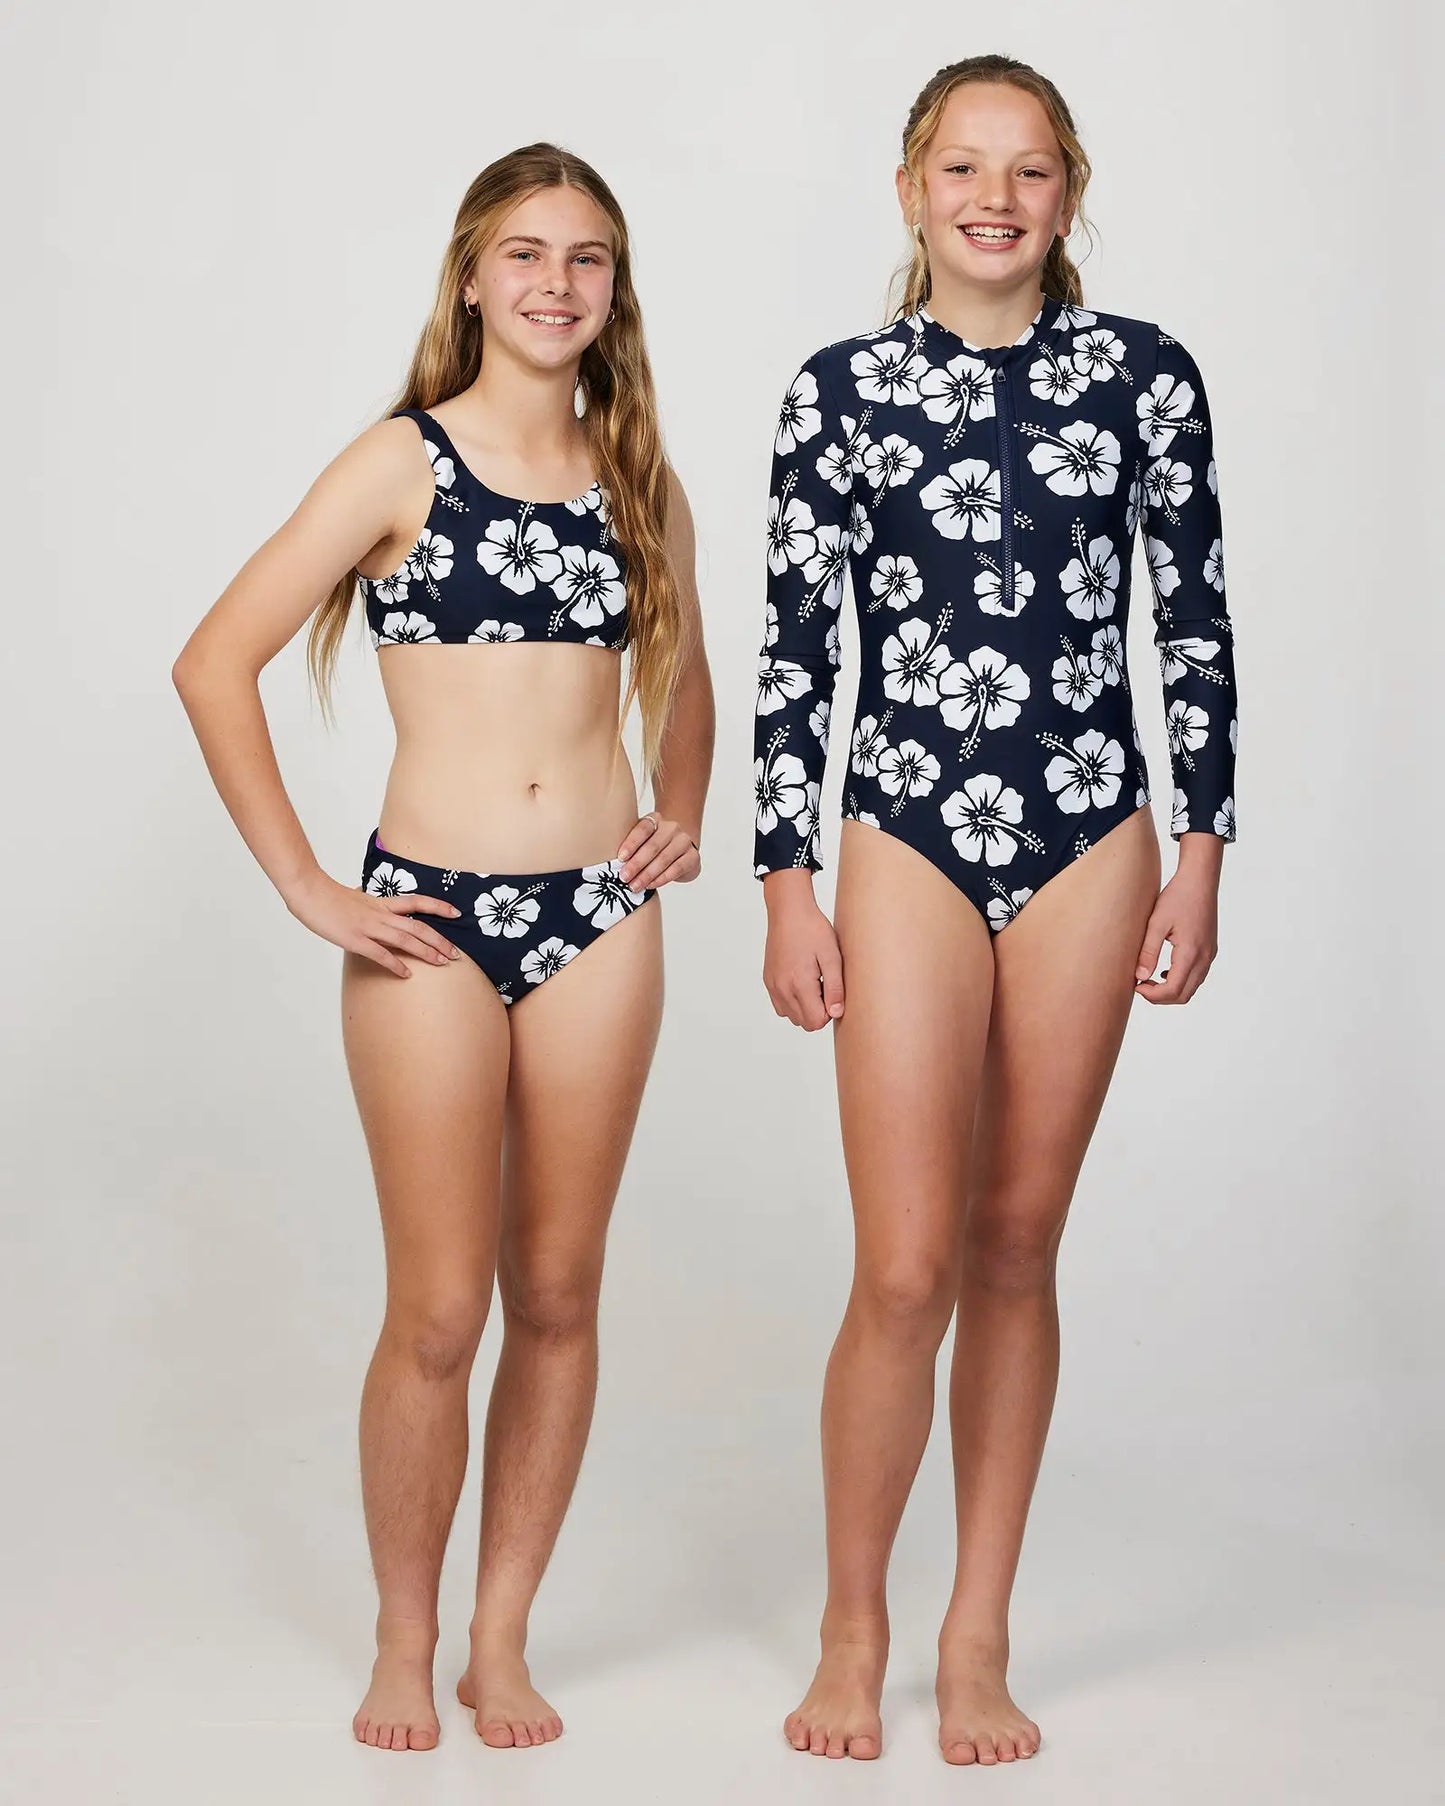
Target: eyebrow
(1038, 150)
(582, 244)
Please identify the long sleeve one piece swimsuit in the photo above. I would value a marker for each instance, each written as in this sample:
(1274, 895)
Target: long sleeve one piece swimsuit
(985, 502)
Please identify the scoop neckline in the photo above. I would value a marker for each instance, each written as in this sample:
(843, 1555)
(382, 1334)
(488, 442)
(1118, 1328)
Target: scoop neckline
(515, 501)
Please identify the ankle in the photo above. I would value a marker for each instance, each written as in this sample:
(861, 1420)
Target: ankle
(403, 1632)
(497, 1638)
(866, 1628)
(972, 1638)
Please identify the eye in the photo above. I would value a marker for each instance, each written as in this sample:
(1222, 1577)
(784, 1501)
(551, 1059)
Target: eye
(959, 169)
(524, 253)
(1043, 174)
(585, 257)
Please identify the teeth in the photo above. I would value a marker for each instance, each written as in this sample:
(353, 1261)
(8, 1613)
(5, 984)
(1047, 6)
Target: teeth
(553, 319)
(991, 232)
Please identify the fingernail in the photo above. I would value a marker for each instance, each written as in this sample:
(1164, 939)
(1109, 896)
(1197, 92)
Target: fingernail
(835, 1009)
(456, 953)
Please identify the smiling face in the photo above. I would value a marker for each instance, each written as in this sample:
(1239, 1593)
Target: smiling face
(544, 282)
(993, 190)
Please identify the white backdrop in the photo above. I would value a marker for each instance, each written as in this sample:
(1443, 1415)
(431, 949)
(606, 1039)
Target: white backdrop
(231, 221)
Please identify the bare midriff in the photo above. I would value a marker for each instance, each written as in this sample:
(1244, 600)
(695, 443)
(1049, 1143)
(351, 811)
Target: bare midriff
(507, 757)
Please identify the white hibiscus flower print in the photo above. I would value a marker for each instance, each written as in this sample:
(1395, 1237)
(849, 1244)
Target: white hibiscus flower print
(860, 535)
(799, 420)
(888, 370)
(603, 897)
(1179, 817)
(1057, 379)
(1106, 654)
(961, 390)
(982, 691)
(914, 659)
(1080, 457)
(591, 582)
(889, 463)
(1224, 818)
(1086, 774)
(430, 559)
(907, 770)
(806, 820)
(965, 501)
(1005, 905)
(590, 501)
(839, 464)
(770, 627)
(1187, 726)
(1163, 411)
(780, 784)
(826, 568)
(1091, 578)
(405, 630)
(1135, 507)
(389, 880)
(988, 587)
(522, 552)
(1211, 476)
(819, 719)
(896, 581)
(1214, 565)
(495, 633)
(1177, 658)
(547, 958)
(506, 911)
(1169, 485)
(1071, 318)
(790, 533)
(987, 818)
(390, 590)
(833, 645)
(1098, 355)
(1162, 572)
(444, 471)
(868, 745)
(778, 683)
(1234, 734)
(1076, 681)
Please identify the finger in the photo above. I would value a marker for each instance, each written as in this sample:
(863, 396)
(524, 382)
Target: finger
(1155, 936)
(418, 905)
(658, 860)
(641, 831)
(671, 874)
(1180, 964)
(831, 972)
(814, 1014)
(383, 956)
(418, 931)
(1197, 975)
(405, 939)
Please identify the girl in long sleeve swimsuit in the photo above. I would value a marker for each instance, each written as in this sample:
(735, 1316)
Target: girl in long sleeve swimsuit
(979, 467)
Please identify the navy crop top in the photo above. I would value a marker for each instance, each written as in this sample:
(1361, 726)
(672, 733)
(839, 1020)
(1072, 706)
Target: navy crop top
(487, 569)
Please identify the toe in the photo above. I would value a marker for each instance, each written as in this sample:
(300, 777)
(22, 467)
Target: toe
(424, 1736)
(959, 1750)
(534, 1730)
(1004, 1744)
(370, 1734)
(497, 1734)
(987, 1754)
(817, 1740)
(864, 1746)
(521, 1736)
(837, 1747)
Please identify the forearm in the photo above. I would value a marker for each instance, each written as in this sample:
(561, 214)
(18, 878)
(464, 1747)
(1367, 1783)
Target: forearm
(229, 720)
(684, 768)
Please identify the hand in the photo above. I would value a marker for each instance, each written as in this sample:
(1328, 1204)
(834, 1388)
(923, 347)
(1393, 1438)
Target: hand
(378, 928)
(1187, 916)
(658, 852)
(803, 964)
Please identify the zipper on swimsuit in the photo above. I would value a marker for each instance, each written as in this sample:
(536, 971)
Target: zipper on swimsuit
(1003, 422)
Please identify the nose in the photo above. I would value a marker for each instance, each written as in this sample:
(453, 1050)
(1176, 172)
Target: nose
(556, 279)
(997, 194)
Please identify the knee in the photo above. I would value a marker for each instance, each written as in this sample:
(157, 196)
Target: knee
(909, 1297)
(1012, 1247)
(552, 1306)
(439, 1337)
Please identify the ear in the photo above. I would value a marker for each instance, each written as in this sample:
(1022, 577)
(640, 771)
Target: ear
(909, 198)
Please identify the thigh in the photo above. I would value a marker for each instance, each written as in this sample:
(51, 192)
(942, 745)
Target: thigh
(1063, 989)
(918, 978)
(428, 1058)
(582, 1044)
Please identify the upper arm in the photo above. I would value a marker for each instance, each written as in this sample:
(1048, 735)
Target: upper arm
(352, 506)
(681, 542)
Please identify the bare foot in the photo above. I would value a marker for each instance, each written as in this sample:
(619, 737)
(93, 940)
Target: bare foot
(511, 1713)
(839, 1716)
(398, 1712)
(977, 1719)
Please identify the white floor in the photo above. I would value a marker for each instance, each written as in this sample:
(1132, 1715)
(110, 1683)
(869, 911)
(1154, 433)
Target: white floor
(197, 1633)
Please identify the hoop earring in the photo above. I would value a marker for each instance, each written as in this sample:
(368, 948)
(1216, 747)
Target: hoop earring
(473, 309)
(612, 316)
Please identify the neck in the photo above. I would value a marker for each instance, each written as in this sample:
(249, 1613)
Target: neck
(519, 408)
(988, 317)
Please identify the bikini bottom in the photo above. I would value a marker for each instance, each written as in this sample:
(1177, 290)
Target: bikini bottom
(519, 928)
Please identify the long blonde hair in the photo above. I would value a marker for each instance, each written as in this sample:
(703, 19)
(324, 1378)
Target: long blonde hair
(1059, 278)
(619, 418)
